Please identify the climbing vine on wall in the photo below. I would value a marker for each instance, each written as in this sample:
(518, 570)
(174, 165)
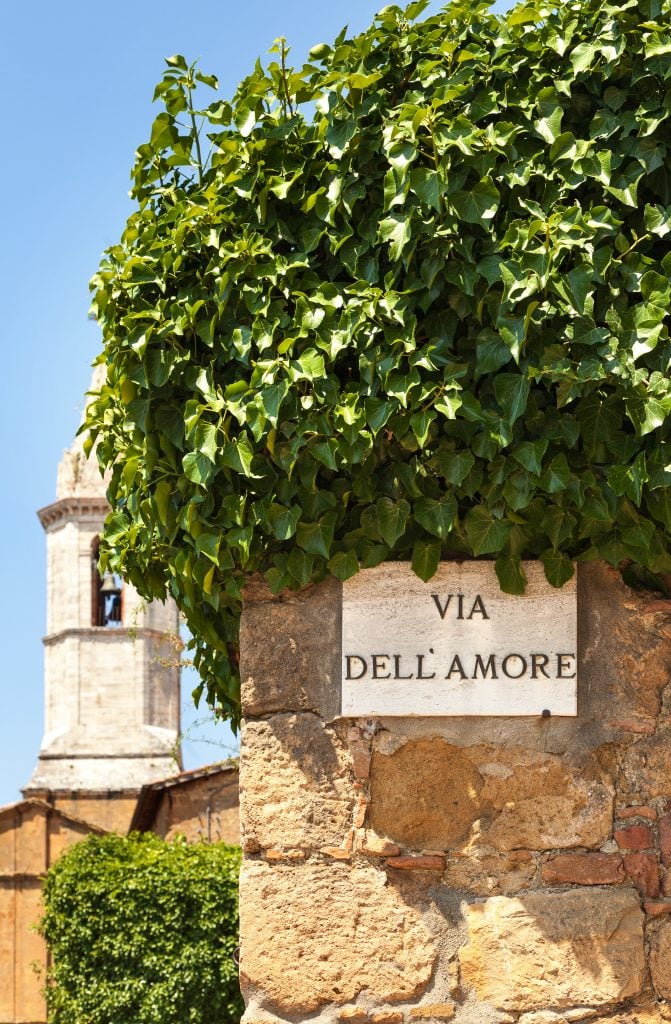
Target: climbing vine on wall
(142, 930)
(408, 301)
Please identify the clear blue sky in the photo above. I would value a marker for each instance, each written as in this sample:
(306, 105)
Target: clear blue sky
(77, 84)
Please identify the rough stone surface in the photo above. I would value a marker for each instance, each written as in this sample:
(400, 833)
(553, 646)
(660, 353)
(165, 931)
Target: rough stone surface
(615, 620)
(353, 1014)
(555, 949)
(643, 870)
(377, 846)
(542, 1017)
(646, 769)
(637, 812)
(318, 934)
(482, 872)
(295, 788)
(446, 788)
(660, 959)
(433, 1011)
(290, 649)
(583, 869)
(547, 802)
(665, 839)
(635, 837)
(657, 907)
(429, 862)
(502, 799)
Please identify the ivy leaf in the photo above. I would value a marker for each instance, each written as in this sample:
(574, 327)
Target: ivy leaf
(512, 392)
(238, 454)
(395, 229)
(208, 544)
(455, 466)
(485, 533)
(245, 119)
(162, 496)
(477, 205)
(317, 538)
(436, 515)
(343, 564)
(559, 569)
(205, 440)
(427, 186)
(271, 399)
(530, 454)
(510, 574)
(157, 364)
(556, 476)
(558, 524)
(197, 467)
(425, 559)
(659, 506)
(392, 517)
(283, 520)
(598, 418)
(421, 423)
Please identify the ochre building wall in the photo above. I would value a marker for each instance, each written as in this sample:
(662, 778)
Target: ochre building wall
(109, 811)
(496, 871)
(205, 809)
(32, 836)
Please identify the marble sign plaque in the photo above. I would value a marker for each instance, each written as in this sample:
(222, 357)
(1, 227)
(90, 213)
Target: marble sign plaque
(457, 645)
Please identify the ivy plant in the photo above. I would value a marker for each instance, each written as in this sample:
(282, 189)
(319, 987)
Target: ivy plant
(142, 930)
(408, 301)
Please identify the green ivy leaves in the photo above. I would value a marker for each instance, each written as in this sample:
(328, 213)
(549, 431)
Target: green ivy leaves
(429, 320)
(143, 930)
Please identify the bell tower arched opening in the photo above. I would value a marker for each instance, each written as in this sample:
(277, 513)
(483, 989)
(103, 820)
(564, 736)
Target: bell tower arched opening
(106, 593)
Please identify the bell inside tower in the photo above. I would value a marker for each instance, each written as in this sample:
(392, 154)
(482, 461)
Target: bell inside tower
(106, 592)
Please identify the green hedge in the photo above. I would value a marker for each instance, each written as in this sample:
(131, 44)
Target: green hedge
(410, 301)
(141, 931)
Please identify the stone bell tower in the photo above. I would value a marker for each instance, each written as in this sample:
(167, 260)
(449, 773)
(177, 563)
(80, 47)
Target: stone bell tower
(111, 675)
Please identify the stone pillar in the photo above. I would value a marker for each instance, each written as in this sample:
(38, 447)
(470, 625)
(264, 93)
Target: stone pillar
(486, 871)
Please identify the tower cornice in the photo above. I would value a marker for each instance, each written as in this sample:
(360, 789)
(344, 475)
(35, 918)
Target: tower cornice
(101, 634)
(72, 508)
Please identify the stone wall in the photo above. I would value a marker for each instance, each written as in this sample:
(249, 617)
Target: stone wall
(202, 805)
(475, 870)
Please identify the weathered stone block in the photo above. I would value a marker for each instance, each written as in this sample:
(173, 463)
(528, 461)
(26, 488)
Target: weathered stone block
(316, 934)
(625, 631)
(546, 802)
(643, 870)
(655, 908)
(433, 1011)
(446, 801)
(583, 869)
(499, 798)
(637, 812)
(665, 839)
(646, 769)
(353, 1015)
(377, 846)
(290, 650)
(486, 873)
(295, 785)
(635, 837)
(429, 862)
(554, 949)
(660, 959)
